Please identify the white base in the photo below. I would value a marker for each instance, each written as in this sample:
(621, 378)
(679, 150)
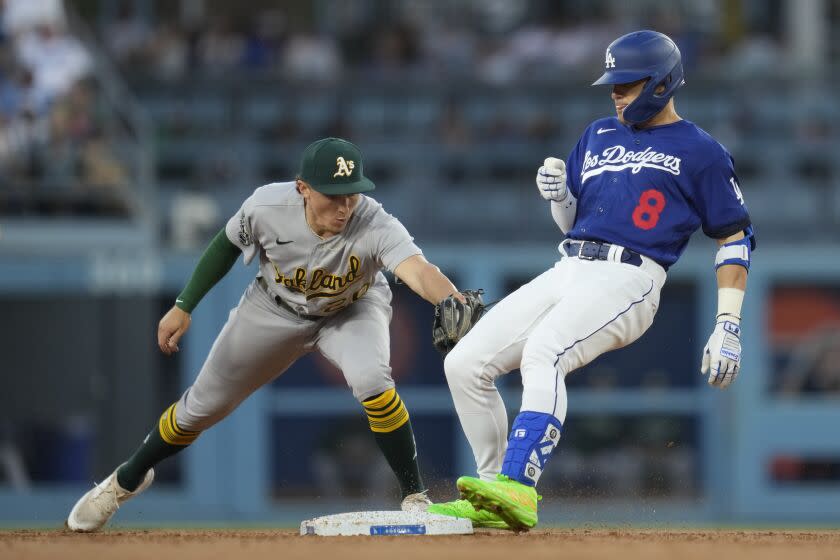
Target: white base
(385, 523)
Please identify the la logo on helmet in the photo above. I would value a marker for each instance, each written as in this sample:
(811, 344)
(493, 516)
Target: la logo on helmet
(609, 62)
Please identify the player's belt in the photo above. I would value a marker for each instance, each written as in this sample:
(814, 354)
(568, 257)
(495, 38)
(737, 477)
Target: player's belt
(282, 303)
(595, 250)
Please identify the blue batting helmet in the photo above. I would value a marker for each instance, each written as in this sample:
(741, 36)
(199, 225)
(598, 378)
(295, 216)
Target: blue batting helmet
(640, 55)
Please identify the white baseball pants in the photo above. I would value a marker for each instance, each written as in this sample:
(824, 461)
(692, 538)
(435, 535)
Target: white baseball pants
(558, 322)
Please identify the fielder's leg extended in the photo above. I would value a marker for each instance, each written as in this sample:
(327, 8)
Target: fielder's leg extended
(252, 349)
(357, 341)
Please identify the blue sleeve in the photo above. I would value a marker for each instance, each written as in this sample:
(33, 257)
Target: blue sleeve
(575, 164)
(718, 199)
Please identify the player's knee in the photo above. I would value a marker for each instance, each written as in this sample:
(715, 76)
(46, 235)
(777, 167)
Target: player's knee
(367, 382)
(461, 368)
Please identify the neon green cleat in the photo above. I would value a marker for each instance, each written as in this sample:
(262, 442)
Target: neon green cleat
(513, 501)
(462, 508)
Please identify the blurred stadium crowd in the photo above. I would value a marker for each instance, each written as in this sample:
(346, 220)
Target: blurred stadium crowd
(479, 91)
(54, 155)
(496, 42)
(117, 110)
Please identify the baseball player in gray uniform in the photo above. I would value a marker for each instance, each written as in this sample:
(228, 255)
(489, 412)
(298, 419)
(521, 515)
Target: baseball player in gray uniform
(321, 246)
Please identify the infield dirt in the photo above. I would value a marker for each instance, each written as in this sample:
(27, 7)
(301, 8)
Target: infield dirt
(565, 544)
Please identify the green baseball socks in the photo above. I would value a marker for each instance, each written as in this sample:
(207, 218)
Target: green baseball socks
(391, 427)
(165, 440)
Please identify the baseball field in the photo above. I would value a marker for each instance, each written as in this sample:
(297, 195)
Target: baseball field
(625, 544)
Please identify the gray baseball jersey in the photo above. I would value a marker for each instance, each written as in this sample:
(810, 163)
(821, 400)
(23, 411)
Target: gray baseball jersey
(313, 275)
(335, 300)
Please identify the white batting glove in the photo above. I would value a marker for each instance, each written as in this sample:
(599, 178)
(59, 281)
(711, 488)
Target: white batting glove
(722, 355)
(551, 180)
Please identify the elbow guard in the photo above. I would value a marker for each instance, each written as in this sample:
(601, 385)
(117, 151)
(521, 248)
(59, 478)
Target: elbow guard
(734, 252)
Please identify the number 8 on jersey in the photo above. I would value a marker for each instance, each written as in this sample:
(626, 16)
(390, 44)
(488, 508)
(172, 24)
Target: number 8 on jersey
(651, 204)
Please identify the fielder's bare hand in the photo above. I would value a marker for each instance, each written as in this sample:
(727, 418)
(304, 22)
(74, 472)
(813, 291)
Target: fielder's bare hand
(171, 328)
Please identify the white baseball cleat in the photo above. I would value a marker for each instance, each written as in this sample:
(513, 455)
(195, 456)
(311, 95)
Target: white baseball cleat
(416, 503)
(94, 509)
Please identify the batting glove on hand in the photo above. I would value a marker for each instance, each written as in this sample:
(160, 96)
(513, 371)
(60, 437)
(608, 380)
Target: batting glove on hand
(722, 355)
(551, 180)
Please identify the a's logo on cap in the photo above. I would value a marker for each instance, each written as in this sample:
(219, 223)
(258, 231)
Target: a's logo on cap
(345, 168)
(610, 60)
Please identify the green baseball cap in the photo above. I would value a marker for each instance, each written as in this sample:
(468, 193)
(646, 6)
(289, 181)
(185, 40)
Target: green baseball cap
(334, 166)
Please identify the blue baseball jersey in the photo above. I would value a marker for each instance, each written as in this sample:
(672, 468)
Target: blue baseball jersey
(650, 189)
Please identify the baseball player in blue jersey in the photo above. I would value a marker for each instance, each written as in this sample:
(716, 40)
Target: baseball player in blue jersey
(629, 196)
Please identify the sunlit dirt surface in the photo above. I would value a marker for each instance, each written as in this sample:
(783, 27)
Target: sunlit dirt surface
(623, 544)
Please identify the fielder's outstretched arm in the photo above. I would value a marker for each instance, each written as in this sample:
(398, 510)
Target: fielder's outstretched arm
(216, 261)
(426, 280)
